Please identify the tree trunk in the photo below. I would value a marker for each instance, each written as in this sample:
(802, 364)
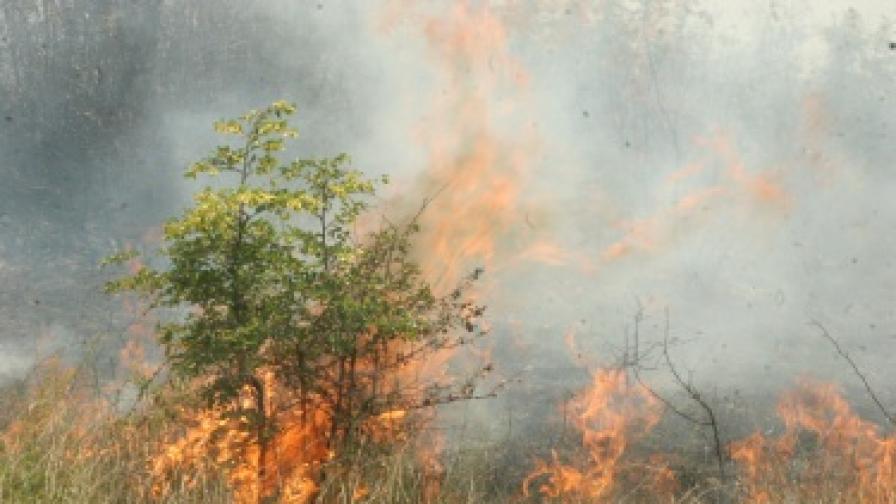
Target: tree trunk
(261, 434)
(351, 393)
(336, 421)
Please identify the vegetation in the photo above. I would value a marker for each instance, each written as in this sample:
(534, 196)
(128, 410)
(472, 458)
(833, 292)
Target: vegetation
(61, 444)
(303, 349)
(269, 290)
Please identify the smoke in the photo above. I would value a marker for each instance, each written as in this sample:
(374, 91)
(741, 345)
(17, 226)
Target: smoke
(674, 154)
(727, 162)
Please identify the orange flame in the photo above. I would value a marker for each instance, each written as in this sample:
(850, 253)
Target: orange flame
(477, 170)
(749, 189)
(609, 414)
(825, 449)
(295, 453)
(215, 440)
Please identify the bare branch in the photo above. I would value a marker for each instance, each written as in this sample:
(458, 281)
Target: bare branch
(710, 421)
(636, 367)
(694, 394)
(855, 368)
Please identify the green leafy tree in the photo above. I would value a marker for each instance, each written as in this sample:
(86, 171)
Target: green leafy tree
(269, 276)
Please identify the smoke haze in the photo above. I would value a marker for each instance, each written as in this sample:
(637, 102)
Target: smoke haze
(729, 162)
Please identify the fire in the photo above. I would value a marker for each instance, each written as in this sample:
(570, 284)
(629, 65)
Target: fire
(736, 187)
(477, 168)
(215, 439)
(760, 188)
(290, 464)
(552, 254)
(825, 449)
(610, 415)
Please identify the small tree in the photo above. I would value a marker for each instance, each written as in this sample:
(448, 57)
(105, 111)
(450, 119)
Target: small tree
(271, 280)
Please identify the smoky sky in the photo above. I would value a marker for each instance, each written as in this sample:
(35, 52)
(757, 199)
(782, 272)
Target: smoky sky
(730, 163)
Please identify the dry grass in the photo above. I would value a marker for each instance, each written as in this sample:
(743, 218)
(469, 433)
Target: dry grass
(60, 442)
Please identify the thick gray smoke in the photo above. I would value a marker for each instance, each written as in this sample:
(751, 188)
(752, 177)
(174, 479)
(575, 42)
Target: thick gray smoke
(729, 161)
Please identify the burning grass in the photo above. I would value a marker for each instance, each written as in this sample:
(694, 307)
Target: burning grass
(64, 440)
(826, 453)
(609, 415)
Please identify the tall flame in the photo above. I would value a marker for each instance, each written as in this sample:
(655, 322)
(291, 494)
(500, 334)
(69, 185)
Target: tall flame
(610, 414)
(477, 168)
(216, 440)
(825, 449)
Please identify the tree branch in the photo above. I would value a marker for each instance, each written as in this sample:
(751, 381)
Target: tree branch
(694, 394)
(855, 368)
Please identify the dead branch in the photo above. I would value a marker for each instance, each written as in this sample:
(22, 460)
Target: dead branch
(636, 367)
(694, 394)
(709, 421)
(855, 368)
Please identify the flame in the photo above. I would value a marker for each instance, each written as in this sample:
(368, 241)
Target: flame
(739, 188)
(552, 254)
(760, 187)
(689, 170)
(215, 439)
(296, 452)
(610, 414)
(429, 458)
(850, 456)
(133, 359)
(478, 169)
(61, 414)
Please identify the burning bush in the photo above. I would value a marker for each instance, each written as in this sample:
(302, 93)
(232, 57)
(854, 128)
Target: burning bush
(304, 335)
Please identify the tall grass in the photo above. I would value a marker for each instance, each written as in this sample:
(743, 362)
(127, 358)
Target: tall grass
(62, 442)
